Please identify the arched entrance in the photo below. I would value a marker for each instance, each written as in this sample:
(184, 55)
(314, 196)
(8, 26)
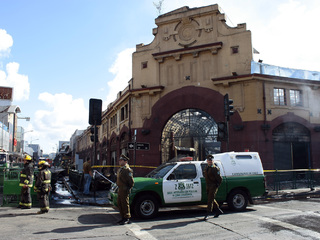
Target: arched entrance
(291, 146)
(190, 132)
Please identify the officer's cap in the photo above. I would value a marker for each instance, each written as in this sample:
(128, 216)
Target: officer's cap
(124, 157)
(210, 157)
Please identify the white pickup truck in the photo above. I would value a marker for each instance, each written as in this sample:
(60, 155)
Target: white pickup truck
(182, 183)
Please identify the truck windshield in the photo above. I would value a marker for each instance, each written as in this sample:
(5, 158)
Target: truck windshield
(3, 158)
(160, 171)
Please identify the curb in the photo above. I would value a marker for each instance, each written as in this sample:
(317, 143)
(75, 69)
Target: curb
(291, 193)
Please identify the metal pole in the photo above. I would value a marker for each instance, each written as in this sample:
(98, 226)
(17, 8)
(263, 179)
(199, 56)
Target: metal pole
(227, 127)
(94, 142)
(135, 150)
(13, 131)
(94, 157)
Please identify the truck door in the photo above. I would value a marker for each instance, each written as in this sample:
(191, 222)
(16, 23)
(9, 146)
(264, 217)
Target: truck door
(182, 185)
(222, 191)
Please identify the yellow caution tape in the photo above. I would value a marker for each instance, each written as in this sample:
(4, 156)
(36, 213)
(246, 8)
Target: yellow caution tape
(132, 166)
(293, 170)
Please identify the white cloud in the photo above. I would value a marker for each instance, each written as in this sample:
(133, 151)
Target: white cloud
(290, 39)
(63, 116)
(283, 31)
(11, 78)
(122, 69)
(6, 42)
(19, 82)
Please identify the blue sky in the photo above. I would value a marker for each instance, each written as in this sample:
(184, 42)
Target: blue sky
(59, 54)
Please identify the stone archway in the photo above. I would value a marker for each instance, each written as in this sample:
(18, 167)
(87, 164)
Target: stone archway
(291, 146)
(189, 132)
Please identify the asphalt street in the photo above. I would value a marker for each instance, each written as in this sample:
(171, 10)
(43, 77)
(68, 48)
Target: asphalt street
(74, 216)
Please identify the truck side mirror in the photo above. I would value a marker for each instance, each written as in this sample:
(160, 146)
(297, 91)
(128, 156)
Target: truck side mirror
(172, 176)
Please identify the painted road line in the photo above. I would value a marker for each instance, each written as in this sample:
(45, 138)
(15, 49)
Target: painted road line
(302, 231)
(139, 233)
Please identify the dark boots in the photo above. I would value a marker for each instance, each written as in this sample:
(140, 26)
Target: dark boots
(124, 221)
(217, 212)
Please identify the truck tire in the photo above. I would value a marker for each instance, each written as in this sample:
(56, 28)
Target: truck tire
(238, 200)
(146, 207)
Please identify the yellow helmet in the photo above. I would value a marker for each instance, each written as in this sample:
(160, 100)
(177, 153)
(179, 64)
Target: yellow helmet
(43, 163)
(27, 157)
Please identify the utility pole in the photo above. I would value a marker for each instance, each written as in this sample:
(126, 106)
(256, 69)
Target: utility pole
(135, 150)
(228, 111)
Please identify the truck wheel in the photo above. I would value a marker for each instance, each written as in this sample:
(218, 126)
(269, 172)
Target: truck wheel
(146, 207)
(238, 200)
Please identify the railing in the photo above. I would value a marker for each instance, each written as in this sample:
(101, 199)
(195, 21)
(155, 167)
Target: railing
(104, 177)
(292, 179)
(99, 180)
(11, 189)
(76, 178)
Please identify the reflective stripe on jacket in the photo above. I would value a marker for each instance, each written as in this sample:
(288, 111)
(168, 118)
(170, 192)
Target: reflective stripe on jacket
(43, 181)
(26, 175)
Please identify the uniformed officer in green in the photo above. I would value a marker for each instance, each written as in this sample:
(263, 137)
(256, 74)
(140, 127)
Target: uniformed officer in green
(26, 183)
(125, 182)
(43, 186)
(213, 181)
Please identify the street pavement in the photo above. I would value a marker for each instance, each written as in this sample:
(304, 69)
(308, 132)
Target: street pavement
(73, 215)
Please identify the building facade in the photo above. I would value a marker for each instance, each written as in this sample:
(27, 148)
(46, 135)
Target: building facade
(175, 100)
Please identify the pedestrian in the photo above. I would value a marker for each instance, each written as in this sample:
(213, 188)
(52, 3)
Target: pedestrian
(125, 183)
(26, 183)
(87, 171)
(213, 181)
(43, 186)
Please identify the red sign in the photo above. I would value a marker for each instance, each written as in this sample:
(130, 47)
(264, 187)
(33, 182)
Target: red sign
(6, 93)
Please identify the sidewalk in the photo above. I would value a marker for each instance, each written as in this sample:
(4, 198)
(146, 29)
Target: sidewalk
(292, 193)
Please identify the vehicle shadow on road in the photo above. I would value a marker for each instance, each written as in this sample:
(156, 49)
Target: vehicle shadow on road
(88, 221)
(186, 216)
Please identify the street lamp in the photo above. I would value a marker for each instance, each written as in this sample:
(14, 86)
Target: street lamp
(26, 118)
(14, 141)
(22, 143)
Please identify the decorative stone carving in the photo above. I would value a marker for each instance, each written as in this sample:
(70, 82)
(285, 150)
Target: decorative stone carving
(186, 32)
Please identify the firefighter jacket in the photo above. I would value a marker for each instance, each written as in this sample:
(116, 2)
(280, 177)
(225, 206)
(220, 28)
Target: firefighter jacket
(125, 178)
(43, 181)
(26, 175)
(212, 176)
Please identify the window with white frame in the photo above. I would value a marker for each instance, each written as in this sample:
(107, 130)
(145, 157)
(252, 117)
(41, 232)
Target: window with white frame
(295, 97)
(279, 96)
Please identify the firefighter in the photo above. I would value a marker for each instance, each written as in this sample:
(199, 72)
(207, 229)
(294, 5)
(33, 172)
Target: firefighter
(43, 186)
(26, 182)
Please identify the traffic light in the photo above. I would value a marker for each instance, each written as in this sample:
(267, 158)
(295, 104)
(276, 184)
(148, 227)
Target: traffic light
(222, 131)
(95, 108)
(228, 107)
(92, 138)
(94, 134)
